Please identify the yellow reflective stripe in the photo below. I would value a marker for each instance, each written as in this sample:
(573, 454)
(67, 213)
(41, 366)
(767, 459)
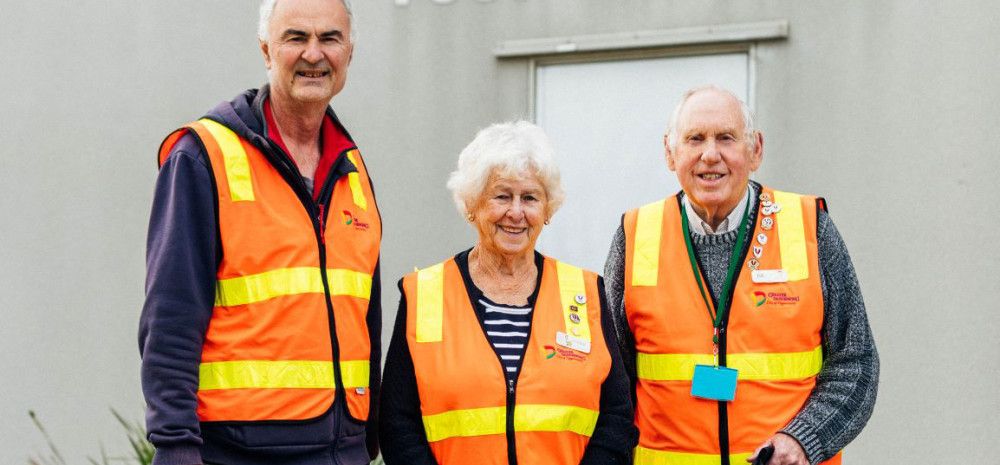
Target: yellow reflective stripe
(792, 235)
(430, 303)
(235, 157)
(644, 456)
(290, 281)
(263, 374)
(465, 423)
(493, 420)
(267, 285)
(571, 287)
(288, 374)
(751, 366)
(355, 373)
(669, 367)
(778, 366)
(354, 179)
(541, 417)
(646, 253)
(349, 283)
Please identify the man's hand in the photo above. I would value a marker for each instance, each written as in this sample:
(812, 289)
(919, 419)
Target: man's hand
(787, 451)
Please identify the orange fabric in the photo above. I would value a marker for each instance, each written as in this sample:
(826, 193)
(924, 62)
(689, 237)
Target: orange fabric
(168, 143)
(462, 371)
(671, 318)
(272, 232)
(262, 404)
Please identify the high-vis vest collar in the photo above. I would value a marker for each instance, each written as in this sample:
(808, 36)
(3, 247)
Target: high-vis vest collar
(281, 293)
(772, 332)
(469, 411)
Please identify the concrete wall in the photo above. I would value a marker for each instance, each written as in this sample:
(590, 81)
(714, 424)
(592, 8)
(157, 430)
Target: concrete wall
(886, 108)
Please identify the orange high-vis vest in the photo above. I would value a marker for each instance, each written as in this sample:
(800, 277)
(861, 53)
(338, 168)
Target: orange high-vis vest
(469, 411)
(772, 336)
(281, 291)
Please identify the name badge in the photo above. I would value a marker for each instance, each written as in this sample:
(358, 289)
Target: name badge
(572, 342)
(769, 276)
(714, 383)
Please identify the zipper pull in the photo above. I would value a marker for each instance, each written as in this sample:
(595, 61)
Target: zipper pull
(510, 384)
(322, 227)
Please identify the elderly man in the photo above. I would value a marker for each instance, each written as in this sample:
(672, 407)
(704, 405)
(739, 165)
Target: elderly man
(738, 310)
(260, 331)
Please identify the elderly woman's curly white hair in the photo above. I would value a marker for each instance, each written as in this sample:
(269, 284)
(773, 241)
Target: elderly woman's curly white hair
(506, 149)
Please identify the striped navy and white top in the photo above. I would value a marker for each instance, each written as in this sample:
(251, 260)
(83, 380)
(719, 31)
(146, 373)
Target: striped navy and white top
(507, 329)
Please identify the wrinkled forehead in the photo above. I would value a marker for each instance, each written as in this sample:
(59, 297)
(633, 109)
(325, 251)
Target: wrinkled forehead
(313, 16)
(711, 110)
(513, 178)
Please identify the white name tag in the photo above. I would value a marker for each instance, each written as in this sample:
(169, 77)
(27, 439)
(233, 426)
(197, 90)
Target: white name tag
(572, 342)
(769, 276)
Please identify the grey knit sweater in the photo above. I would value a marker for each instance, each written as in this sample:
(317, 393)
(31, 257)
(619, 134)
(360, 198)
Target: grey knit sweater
(842, 401)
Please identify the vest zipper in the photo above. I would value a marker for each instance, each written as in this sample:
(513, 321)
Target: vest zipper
(511, 383)
(281, 161)
(322, 226)
(723, 337)
(511, 400)
(321, 220)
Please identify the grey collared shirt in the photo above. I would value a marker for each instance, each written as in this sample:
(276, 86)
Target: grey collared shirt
(730, 223)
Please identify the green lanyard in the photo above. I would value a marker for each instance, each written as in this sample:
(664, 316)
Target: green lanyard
(734, 265)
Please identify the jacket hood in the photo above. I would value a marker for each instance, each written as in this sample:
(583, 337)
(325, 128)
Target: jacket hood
(244, 114)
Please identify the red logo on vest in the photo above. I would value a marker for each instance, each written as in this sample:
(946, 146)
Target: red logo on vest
(350, 219)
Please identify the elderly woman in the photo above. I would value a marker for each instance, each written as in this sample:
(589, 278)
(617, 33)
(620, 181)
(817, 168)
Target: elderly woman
(501, 355)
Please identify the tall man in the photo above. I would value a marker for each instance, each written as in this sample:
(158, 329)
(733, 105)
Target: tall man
(260, 331)
(737, 306)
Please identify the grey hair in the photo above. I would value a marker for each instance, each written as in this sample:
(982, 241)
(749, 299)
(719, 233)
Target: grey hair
(749, 128)
(267, 8)
(506, 149)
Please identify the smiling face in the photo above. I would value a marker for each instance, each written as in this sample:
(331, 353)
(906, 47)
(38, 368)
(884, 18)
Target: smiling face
(308, 50)
(509, 214)
(713, 158)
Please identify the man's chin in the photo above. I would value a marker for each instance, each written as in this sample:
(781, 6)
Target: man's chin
(312, 95)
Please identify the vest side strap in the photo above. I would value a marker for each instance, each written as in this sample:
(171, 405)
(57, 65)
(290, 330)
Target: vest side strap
(646, 254)
(573, 294)
(791, 231)
(235, 156)
(354, 179)
(430, 304)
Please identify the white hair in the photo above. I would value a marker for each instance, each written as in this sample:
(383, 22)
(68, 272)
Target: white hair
(749, 130)
(267, 8)
(506, 149)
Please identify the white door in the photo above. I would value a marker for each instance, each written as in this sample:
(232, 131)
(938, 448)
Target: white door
(606, 120)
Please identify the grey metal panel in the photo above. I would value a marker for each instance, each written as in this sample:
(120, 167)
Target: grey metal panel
(887, 108)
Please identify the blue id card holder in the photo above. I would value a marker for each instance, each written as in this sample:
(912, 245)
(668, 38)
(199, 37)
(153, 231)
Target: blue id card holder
(714, 383)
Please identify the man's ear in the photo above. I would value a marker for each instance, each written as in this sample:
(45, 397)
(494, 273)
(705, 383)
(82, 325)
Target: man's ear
(668, 153)
(266, 51)
(757, 156)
